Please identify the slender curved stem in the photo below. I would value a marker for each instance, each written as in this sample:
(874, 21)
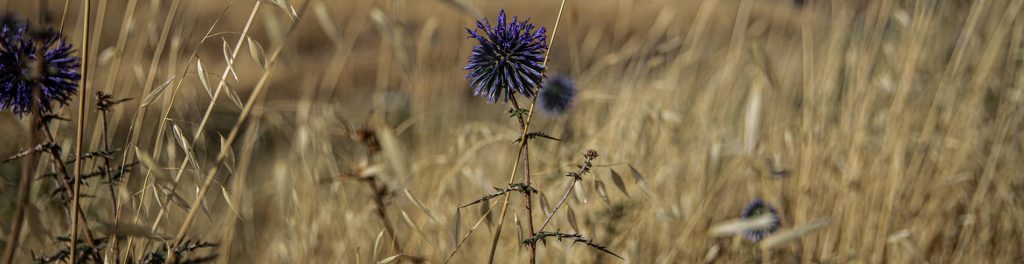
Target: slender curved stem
(583, 169)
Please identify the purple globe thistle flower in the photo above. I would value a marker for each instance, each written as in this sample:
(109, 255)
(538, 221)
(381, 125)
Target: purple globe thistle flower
(758, 208)
(556, 95)
(17, 51)
(508, 60)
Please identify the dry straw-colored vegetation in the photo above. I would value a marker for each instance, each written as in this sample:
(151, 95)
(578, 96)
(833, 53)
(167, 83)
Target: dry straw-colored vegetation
(884, 131)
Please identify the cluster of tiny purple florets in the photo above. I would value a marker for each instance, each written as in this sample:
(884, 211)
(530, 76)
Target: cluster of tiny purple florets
(508, 60)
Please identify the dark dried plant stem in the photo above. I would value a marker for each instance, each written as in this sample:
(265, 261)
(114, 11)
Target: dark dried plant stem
(115, 210)
(62, 171)
(380, 191)
(27, 170)
(522, 149)
(572, 185)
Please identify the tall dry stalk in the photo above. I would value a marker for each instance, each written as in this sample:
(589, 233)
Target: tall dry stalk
(80, 131)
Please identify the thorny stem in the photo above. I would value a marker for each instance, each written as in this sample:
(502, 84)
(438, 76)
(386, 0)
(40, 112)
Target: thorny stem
(526, 173)
(575, 178)
(379, 193)
(522, 144)
(62, 171)
(511, 179)
(110, 178)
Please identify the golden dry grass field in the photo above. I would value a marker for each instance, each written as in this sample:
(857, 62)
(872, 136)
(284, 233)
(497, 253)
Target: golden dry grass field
(883, 131)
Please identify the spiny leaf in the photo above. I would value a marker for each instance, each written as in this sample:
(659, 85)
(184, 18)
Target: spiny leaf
(515, 187)
(517, 112)
(533, 135)
(575, 238)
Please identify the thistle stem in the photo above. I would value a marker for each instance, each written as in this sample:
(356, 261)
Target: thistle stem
(25, 185)
(110, 181)
(526, 173)
(522, 144)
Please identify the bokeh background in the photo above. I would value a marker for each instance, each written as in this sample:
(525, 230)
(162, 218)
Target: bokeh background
(898, 122)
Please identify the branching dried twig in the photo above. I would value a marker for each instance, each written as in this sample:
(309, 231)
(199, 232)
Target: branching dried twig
(45, 146)
(588, 159)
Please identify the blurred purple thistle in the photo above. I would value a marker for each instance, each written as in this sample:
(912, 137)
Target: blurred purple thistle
(556, 95)
(17, 52)
(757, 208)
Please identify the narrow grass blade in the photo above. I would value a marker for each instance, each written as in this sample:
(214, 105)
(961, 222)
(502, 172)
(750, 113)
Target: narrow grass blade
(456, 228)
(572, 218)
(786, 236)
(257, 53)
(152, 96)
(617, 179)
(420, 205)
(203, 78)
(736, 226)
(226, 48)
(601, 192)
(389, 260)
(640, 180)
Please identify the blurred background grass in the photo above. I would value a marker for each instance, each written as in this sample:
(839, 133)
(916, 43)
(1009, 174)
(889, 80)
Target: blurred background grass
(896, 120)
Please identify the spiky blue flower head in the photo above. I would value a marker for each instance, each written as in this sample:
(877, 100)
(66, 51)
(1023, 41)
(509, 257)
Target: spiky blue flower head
(17, 52)
(508, 60)
(556, 95)
(757, 208)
